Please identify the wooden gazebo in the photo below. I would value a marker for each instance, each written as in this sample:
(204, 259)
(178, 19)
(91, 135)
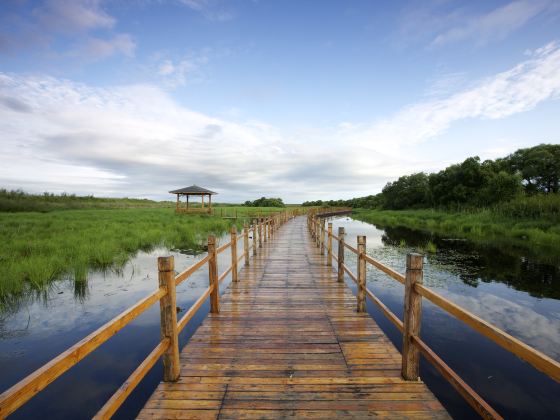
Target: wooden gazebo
(195, 191)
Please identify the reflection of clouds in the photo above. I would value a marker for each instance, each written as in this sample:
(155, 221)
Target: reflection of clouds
(522, 322)
(109, 293)
(513, 313)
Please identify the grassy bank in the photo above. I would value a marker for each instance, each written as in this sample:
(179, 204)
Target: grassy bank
(540, 234)
(36, 248)
(19, 201)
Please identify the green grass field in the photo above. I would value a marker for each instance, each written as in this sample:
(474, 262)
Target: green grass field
(37, 248)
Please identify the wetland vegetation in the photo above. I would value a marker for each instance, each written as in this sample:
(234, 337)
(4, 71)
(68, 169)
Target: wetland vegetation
(48, 237)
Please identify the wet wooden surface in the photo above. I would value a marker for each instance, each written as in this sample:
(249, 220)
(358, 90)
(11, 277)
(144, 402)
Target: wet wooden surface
(288, 343)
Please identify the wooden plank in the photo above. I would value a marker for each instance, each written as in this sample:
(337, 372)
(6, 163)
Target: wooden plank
(288, 342)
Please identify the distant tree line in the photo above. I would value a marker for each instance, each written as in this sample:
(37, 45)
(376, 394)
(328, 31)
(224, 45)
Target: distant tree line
(265, 202)
(472, 183)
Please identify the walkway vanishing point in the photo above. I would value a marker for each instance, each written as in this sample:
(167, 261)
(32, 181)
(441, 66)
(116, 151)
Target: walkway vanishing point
(288, 342)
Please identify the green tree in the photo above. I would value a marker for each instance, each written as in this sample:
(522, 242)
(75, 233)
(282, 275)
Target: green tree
(409, 191)
(538, 166)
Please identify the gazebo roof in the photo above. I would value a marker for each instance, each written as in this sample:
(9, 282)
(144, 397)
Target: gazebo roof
(193, 189)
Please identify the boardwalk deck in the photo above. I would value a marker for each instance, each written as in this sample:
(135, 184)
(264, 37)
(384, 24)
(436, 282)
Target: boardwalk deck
(288, 342)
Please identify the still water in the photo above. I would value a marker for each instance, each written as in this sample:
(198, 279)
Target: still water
(515, 293)
(41, 327)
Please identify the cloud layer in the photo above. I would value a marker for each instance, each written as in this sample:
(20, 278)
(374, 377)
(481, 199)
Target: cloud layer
(136, 140)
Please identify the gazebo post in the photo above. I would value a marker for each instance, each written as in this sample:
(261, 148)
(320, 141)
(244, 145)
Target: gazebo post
(202, 200)
(187, 202)
(177, 207)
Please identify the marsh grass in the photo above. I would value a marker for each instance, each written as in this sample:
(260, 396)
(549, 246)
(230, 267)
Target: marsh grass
(533, 225)
(37, 248)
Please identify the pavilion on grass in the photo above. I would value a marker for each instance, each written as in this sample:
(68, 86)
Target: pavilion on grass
(193, 206)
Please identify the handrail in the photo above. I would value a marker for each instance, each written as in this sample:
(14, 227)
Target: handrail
(538, 360)
(224, 274)
(194, 308)
(113, 404)
(349, 272)
(387, 270)
(386, 311)
(25, 389)
(222, 248)
(475, 400)
(351, 248)
(21, 392)
(189, 271)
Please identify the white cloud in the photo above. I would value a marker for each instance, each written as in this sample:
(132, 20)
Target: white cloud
(166, 68)
(496, 24)
(516, 90)
(135, 140)
(98, 48)
(62, 20)
(64, 16)
(440, 23)
(178, 73)
(210, 9)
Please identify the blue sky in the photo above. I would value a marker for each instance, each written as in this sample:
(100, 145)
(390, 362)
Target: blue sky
(297, 99)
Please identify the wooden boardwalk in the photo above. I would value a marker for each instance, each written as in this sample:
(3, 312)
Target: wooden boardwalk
(288, 342)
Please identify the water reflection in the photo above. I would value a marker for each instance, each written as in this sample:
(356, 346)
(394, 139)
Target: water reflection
(475, 263)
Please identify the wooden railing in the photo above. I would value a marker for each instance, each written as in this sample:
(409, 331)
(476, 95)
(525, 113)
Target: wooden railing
(168, 347)
(244, 212)
(414, 291)
(328, 211)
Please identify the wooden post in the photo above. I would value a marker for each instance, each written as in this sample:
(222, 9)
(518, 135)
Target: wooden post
(322, 237)
(254, 239)
(168, 318)
(259, 223)
(202, 200)
(246, 243)
(361, 296)
(213, 275)
(267, 229)
(341, 254)
(234, 253)
(412, 316)
(329, 244)
(177, 207)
